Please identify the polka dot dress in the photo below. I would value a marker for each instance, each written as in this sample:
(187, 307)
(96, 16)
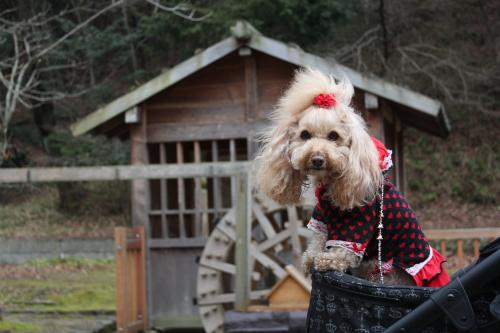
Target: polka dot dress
(404, 244)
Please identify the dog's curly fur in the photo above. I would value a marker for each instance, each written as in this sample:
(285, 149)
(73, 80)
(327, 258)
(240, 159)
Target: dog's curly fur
(338, 137)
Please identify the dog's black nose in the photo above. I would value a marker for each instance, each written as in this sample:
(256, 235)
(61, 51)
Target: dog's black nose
(317, 161)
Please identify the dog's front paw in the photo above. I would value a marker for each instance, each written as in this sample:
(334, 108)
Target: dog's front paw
(326, 261)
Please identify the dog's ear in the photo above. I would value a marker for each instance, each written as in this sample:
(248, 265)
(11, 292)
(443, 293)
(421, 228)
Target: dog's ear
(276, 177)
(362, 176)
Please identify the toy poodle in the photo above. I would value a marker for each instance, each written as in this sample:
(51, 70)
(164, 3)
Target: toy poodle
(361, 223)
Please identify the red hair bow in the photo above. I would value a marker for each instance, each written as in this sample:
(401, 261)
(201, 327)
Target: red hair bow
(325, 101)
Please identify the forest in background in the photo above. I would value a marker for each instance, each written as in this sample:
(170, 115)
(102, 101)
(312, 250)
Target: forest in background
(60, 60)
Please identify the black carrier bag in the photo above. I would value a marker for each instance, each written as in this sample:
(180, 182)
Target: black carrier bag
(341, 303)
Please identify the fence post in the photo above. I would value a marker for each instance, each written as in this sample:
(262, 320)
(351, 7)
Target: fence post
(243, 221)
(121, 282)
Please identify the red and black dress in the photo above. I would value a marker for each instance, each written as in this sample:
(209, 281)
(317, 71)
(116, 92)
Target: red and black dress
(404, 244)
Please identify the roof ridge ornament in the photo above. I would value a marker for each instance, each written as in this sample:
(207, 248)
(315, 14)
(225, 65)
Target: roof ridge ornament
(243, 31)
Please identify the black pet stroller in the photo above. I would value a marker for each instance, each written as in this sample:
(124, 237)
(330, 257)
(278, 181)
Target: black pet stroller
(341, 303)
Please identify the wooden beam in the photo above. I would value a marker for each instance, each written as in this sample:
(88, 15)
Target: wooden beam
(185, 132)
(242, 246)
(466, 233)
(123, 172)
(251, 97)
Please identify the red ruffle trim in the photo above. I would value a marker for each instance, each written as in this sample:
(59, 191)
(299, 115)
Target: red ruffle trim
(433, 274)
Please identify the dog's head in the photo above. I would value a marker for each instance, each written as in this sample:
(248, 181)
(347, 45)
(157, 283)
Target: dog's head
(316, 133)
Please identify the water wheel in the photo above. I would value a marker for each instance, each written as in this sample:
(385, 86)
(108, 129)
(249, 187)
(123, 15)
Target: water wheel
(278, 238)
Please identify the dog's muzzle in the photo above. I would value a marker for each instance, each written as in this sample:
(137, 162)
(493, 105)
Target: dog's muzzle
(317, 162)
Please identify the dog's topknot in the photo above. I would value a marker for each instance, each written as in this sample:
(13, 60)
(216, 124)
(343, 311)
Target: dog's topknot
(306, 85)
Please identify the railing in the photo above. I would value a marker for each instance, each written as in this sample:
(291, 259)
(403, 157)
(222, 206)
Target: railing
(121, 172)
(457, 237)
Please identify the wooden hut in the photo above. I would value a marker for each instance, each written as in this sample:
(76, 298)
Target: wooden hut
(209, 108)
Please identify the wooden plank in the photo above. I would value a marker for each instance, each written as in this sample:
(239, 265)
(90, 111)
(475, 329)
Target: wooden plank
(251, 98)
(180, 191)
(293, 225)
(243, 234)
(163, 193)
(232, 158)
(225, 267)
(125, 172)
(276, 239)
(231, 297)
(460, 252)
(14, 175)
(186, 170)
(266, 261)
(400, 157)
(265, 224)
(216, 180)
(212, 114)
(170, 243)
(158, 212)
(140, 191)
(142, 278)
(443, 247)
(198, 204)
(466, 233)
(121, 281)
(71, 174)
(476, 248)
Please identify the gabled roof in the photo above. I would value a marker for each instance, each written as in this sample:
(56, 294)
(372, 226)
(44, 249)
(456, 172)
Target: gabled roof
(243, 34)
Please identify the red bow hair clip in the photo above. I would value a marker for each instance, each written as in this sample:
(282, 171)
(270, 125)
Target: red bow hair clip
(384, 155)
(325, 101)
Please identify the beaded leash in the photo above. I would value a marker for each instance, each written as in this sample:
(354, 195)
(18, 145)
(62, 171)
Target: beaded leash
(379, 237)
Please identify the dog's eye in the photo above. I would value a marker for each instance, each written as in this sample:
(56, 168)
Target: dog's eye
(332, 136)
(305, 135)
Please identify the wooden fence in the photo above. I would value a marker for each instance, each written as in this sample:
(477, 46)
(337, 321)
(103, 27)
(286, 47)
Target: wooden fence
(131, 303)
(121, 172)
(456, 238)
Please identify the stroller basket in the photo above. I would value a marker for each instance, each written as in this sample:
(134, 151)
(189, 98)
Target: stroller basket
(343, 303)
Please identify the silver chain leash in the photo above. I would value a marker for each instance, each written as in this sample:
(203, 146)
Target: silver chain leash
(379, 237)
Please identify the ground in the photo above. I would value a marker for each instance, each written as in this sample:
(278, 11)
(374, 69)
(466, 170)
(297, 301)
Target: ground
(35, 213)
(70, 295)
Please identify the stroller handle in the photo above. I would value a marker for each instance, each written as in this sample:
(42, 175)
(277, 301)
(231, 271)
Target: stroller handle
(472, 282)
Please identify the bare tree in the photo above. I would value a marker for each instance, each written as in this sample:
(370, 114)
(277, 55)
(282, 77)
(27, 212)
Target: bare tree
(29, 61)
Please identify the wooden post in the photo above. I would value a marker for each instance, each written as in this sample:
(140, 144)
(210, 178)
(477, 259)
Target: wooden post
(460, 252)
(443, 247)
(476, 248)
(243, 218)
(121, 279)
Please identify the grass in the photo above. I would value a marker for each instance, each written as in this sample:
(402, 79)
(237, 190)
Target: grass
(35, 213)
(18, 327)
(62, 286)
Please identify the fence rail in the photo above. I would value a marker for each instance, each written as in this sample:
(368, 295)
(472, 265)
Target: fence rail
(123, 172)
(445, 236)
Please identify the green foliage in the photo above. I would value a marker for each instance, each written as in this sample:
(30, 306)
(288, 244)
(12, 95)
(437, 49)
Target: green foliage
(87, 150)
